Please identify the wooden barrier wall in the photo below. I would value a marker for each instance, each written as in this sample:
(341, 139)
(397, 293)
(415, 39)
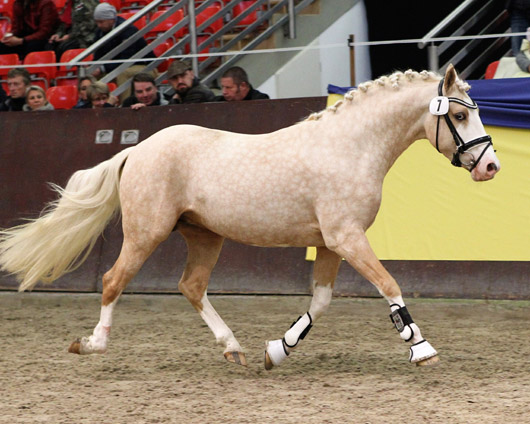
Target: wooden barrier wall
(41, 147)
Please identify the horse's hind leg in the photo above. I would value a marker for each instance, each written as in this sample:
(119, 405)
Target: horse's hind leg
(203, 251)
(324, 273)
(132, 257)
(357, 251)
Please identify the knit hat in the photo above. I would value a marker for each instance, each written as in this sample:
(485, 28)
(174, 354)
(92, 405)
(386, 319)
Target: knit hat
(104, 11)
(178, 67)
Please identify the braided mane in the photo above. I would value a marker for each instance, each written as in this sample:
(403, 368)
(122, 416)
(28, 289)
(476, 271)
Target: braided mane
(394, 81)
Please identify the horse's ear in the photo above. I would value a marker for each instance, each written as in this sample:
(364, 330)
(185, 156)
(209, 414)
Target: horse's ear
(450, 77)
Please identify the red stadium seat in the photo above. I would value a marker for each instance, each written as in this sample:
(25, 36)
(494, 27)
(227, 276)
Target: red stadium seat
(205, 15)
(491, 69)
(59, 4)
(115, 3)
(7, 60)
(140, 23)
(166, 25)
(158, 51)
(133, 4)
(112, 86)
(247, 20)
(41, 75)
(68, 75)
(62, 97)
(10, 59)
(200, 39)
(6, 9)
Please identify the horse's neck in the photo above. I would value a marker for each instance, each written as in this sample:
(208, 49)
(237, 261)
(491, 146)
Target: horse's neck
(380, 125)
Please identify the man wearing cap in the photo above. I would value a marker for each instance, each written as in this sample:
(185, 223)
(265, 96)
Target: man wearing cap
(188, 88)
(107, 19)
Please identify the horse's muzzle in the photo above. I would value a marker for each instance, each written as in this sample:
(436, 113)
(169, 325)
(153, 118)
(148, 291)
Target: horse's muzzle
(486, 168)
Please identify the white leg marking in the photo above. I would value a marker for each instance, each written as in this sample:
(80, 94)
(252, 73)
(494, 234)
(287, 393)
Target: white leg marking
(223, 334)
(320, 302)
(97, 342)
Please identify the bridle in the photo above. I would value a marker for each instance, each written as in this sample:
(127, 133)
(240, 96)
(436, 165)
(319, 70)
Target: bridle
(440, 106)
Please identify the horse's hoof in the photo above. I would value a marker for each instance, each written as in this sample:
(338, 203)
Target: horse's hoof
(434, 360)
(268, 363)
(75, 347)
(236, 358)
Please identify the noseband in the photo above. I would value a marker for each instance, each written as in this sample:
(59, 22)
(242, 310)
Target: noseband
(440, 106)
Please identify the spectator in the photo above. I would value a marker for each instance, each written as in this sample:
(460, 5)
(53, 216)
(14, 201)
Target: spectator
(188, 88)
(77, 28)
(235, 87)
(519, 20)
(34, 21)
(98, 94)
(36, 100)
(145, 93)
(106, 20)
(18, 80)
(523, 57)
(82, 86)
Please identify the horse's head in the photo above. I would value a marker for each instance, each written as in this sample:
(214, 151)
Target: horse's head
(455, 129)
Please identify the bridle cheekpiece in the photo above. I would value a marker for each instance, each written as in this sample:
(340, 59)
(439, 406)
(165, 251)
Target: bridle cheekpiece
(440, 106)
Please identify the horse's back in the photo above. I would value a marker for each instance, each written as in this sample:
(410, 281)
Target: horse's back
(245, 187)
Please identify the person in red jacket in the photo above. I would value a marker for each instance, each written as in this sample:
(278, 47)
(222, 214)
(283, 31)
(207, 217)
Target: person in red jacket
(34, 21)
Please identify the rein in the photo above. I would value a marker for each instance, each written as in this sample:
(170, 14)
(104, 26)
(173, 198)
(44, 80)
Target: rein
(440, 106)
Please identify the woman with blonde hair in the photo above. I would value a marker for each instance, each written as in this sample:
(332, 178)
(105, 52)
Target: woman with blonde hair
(98, 94)
(36, 99)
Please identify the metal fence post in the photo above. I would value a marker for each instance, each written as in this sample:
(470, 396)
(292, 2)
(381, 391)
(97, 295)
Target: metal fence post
(432, 51)
(193, 37)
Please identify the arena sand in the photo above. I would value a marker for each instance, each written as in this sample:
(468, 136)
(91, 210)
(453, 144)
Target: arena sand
(163, 365)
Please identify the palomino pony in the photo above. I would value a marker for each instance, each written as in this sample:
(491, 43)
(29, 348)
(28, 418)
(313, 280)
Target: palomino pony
(316, 183)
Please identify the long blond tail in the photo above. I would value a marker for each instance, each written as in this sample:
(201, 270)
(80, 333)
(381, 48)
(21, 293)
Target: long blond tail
(61, 239)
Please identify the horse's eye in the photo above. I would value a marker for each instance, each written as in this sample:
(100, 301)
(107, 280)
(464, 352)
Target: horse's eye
(460, 116)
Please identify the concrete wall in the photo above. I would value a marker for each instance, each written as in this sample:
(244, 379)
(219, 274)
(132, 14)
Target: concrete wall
(41, 147)
(326, 57)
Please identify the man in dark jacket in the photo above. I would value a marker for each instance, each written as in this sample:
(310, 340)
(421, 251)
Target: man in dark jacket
(235, 87)
(18, 81)
(34, 21)
(145, 93)
(107, 19)
(188, 88)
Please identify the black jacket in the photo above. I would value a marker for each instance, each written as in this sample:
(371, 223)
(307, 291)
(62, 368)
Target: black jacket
(132, 100)
(253, 94)
(12, 105)
(116, 41)
(198, 93)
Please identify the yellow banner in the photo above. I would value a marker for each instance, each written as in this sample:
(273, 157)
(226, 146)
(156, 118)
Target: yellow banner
(434, 211)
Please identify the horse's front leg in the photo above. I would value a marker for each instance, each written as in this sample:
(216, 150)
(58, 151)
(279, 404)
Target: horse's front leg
(355, 248)
(324, 272)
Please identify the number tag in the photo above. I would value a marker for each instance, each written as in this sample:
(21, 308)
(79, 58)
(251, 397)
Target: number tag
(439, 105)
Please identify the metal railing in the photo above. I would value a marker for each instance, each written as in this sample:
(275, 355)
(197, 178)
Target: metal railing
(252, 34)
(471, 17)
